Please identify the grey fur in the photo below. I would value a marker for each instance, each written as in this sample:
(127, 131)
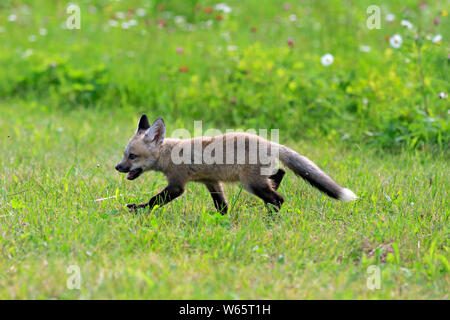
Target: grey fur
(151, 151)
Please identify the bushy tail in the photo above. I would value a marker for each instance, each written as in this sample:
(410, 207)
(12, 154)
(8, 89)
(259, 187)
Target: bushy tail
(309, 171)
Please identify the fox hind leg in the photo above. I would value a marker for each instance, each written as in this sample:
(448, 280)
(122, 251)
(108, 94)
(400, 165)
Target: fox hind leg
(263, 189)
(276, 178)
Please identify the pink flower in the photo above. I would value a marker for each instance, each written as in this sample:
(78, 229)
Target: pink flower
(290, 42)
(179, 50)
(436, 21)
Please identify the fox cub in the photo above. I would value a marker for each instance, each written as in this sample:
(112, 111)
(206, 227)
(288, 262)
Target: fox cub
(148, 149)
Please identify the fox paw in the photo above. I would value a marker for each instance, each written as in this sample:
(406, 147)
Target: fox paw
(133, 206)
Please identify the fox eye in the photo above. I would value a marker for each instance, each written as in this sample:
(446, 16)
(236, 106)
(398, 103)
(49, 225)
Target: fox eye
(132, 156)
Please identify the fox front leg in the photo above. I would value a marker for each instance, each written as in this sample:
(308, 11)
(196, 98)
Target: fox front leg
(218, 196)
(168, 194)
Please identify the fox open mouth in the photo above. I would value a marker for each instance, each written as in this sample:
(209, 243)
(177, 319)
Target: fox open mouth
(133, 174)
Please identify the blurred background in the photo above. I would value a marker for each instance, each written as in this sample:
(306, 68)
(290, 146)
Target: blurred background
(309, 68)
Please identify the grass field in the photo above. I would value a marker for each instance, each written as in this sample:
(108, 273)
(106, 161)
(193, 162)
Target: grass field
(56, 166)
(375, 120)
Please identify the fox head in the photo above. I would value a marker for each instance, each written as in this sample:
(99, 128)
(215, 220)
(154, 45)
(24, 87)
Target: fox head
(142, 152)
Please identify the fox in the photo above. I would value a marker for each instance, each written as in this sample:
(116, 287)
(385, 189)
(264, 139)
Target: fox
(150, 150)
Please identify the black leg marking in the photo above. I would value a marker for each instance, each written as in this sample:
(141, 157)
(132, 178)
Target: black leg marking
(277, 178)
(268, 195)
(220, 201)
(168, 194)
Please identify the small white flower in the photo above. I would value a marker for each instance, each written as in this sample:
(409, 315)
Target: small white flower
(406, 24)
(27, 53)
(32, 38)
(12, 17)
(437, 38)
(390, 17)
(232, 48)
(327, 59)
(132, 22)
(226, 36)
(293, 17)
(222, 7)
(43, 31)
(113, 23)
(365, 101)
(179, 19)
(396, 41)
(120, 15)
(141, 12)
(407, 60)
(125, 25)
(189, 27)
(364, 48)
(442, 95)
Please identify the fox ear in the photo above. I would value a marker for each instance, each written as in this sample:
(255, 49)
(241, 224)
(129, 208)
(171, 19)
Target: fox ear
(143, 123)
(155, 134)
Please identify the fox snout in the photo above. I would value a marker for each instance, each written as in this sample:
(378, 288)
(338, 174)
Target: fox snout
(121, 168)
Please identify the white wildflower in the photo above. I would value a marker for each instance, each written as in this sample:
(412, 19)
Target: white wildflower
(222, 7)
(179, 19)
(442, 95)
(12, 17)
(390, 17)
(327, 59)
(437, 38)
(406, 24)
(113, 23)
(141, 12)
(396, 41)
(27, 53)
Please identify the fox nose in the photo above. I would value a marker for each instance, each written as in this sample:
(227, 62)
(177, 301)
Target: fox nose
(121, 168)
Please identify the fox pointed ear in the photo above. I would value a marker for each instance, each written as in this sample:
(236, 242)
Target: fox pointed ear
(143, 123)
(156, 133)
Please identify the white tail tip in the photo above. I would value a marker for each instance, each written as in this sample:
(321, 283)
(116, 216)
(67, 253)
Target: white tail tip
(347, 195)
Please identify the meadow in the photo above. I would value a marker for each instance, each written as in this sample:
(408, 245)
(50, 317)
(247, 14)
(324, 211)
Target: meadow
(373, 114)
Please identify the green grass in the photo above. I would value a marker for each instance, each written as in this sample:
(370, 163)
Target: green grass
(55, 164)
(70, 100)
